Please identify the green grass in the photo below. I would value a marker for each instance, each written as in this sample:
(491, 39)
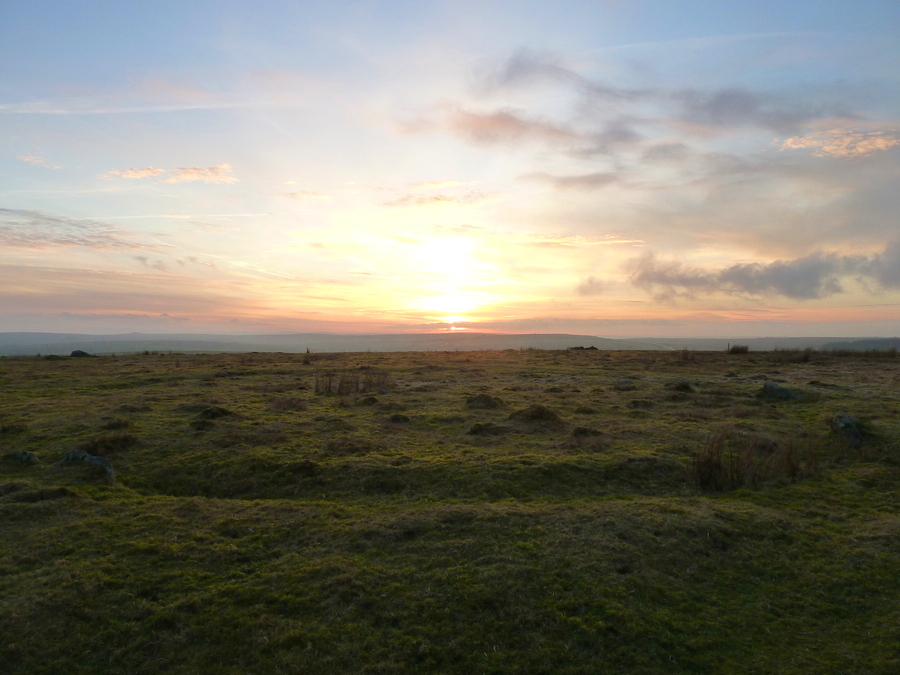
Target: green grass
(308, 532)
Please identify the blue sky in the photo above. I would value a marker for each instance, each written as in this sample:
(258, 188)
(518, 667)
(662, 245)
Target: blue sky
(613, 168)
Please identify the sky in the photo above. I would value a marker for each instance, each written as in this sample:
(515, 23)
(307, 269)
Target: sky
(690, 168)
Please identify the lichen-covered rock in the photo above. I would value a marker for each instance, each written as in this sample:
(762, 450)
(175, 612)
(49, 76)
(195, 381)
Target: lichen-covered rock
(775, 390)
(101, 462)
(848, 426)
(624, 385)
(24, 456)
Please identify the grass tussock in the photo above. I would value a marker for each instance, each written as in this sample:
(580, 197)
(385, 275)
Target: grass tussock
(108, 444)
(732, 459)
(287, 404)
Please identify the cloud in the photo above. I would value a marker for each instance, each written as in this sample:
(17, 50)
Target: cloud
(220, 173)
(134, 173)
(506, 126)
(737, 107)
(437, 185)
(38, 230)
(666, 152)
(300, 196)
(530, 68)
(590, 181)
(592, 286)
(39, 161)
(438, 200)
(810, 277)
(843, 142)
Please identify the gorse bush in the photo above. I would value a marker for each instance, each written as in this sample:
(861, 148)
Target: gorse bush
(738, 349)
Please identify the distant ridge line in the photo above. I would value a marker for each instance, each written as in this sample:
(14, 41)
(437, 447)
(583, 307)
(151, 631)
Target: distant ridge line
(31, 343)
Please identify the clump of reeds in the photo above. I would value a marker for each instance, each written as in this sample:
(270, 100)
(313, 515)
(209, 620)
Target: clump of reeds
(343, 384)
(731, 459)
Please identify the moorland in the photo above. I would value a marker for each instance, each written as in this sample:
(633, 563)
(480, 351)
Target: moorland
(527, 511)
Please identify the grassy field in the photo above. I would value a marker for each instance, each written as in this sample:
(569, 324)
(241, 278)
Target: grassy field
(463, 512)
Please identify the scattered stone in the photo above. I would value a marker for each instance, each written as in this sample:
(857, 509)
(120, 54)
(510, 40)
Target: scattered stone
(101, 462)
(487, 429)
(214, 412)
(384, 391)
(848, 426)
(80, 354)
(483, 402)
(775, 390)
(24, 456)
(398, 418)
(624, 385)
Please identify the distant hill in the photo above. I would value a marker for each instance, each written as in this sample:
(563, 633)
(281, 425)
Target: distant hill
(23, 344)
(29, 344)
(881, 344)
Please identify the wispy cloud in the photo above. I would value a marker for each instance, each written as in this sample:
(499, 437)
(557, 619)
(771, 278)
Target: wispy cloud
(504, 126)
(39, 230)
(438, 200)
(590, 181)
(592, 286)
(134, 173)
(301, 196)
(39, 161)
(844, 142)
(220, 173)
(438, 185)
